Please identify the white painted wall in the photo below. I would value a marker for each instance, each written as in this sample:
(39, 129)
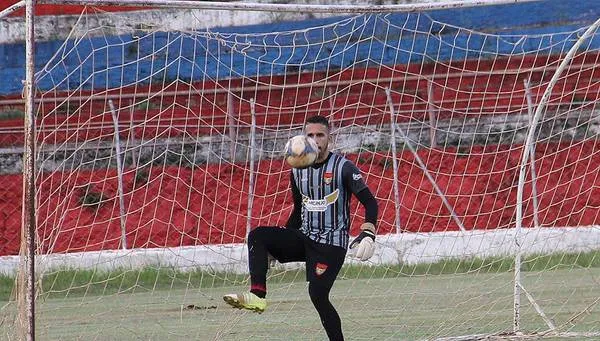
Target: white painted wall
(392, 249)
(12, 30)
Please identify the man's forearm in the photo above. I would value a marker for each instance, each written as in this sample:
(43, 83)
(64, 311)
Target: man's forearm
(367, 199)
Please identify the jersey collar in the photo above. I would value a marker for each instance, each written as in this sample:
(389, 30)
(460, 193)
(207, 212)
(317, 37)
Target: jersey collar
(318, 165)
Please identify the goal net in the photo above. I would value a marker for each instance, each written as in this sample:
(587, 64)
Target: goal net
(158, 149)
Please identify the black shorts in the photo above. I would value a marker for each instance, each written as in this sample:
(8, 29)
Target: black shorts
(323, 261)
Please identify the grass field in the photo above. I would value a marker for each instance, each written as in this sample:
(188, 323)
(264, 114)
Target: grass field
(372, 308)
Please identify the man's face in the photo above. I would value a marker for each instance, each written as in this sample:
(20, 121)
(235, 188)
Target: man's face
(320, 134)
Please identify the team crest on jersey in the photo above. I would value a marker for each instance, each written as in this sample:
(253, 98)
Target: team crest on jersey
(320, 268)
(320, 205)
(328, 177)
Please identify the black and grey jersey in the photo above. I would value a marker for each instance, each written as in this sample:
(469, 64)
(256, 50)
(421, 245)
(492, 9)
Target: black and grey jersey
(325, 191)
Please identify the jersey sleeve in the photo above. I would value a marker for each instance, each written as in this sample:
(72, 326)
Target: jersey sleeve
(356, 184)
(353, 179)
(295, 219)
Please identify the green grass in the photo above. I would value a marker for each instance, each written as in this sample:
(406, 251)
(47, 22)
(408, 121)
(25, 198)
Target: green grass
(403, 308)
(376, 303)
(6, 285)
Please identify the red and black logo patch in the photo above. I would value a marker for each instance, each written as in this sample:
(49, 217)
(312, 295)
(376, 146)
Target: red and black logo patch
(320, 268)
(328, 177)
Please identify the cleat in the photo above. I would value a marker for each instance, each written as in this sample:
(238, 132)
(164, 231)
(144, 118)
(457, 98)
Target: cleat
(247, 301)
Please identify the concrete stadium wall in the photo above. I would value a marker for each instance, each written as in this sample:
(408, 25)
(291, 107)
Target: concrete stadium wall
(57, 21)
(535, 18)
(392, 249)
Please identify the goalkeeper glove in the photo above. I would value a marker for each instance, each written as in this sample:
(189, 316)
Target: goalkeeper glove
(365, 242)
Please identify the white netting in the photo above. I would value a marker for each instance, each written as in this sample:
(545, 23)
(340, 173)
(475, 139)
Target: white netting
(201, 119)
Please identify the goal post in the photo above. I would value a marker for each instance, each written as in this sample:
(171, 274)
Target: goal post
(528, 151)
(25, 322)
(150, 152)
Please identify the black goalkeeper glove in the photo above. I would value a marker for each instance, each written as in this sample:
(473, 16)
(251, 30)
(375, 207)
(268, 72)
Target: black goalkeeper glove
(364, 244)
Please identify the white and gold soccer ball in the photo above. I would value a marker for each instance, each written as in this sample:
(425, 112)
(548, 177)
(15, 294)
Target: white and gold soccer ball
(301, 151)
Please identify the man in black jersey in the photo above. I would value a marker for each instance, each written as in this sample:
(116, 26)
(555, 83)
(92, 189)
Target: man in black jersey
(317, 231)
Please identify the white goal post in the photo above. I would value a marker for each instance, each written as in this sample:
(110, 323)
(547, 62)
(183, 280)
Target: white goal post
(149, 153)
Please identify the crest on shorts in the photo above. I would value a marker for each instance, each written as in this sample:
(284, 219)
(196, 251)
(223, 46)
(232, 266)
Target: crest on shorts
(320, 268)
(328, 177)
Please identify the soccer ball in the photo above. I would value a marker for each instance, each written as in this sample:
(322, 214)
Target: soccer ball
(301, 151)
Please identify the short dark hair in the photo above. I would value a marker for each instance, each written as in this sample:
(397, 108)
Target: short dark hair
(318, 119)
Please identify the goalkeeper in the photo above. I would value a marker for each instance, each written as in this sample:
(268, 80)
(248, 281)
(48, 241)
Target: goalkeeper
(317, 232)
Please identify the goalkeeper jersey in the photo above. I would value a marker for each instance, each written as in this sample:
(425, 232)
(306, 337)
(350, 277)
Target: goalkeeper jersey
(324, 191)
